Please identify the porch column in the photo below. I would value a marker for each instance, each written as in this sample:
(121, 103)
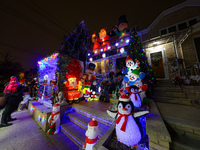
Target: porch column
(176, 54)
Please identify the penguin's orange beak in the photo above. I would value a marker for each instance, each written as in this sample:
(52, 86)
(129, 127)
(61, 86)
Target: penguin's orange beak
(124, 109)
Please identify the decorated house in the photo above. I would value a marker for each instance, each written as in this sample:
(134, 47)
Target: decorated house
(171, 42)
(110, 51)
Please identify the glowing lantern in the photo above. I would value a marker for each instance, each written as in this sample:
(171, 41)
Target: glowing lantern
(90, 59)
(103, 55)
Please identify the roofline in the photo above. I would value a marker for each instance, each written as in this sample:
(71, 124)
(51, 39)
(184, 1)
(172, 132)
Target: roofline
(168, 11)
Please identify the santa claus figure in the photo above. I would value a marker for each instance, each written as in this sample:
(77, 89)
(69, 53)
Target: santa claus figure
(90, 78)
(72, 90)
(91, 135)
(54, 120)
(103, 37)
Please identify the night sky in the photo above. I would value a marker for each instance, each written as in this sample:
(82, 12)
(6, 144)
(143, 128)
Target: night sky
(33, 29)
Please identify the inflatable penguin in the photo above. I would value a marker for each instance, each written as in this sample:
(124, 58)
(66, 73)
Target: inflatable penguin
(127, 130)
(54, 120)
(91, 135)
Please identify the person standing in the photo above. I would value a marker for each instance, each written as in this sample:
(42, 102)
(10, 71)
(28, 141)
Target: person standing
(13, 94)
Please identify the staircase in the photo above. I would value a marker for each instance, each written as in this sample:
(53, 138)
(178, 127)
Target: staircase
(165, 91)
(180, 117)
(76, 121)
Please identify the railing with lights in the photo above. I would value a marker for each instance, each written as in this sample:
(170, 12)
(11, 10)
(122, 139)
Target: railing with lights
(116, 47)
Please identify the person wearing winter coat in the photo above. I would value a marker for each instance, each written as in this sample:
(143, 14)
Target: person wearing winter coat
(13, 94)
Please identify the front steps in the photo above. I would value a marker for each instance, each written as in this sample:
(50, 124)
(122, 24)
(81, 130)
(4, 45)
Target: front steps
(166, 92)
(179, 115)
(76, 121)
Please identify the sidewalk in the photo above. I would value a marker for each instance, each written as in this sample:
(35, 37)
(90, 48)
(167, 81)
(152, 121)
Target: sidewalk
(25, 134)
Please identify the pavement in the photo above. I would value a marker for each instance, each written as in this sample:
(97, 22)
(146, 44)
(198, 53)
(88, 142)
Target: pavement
(26, 134)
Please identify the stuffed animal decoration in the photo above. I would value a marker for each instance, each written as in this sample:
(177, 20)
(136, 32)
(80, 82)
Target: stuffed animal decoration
(127, 130)
(91, 135)
(54, 120)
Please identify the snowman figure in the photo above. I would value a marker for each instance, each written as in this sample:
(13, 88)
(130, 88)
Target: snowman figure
(132, 77)
(127, 130)
(122, 29)
(130, 65)
(91, 135)
(54, 120)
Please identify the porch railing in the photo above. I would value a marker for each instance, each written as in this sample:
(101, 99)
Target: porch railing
(190, 75)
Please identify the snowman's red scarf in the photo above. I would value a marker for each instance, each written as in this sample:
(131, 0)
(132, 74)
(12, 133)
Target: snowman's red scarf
(53, 114)
(90, 141)
(123, 127)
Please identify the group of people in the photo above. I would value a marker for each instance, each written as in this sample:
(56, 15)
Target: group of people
(13, 94)
(109, 85)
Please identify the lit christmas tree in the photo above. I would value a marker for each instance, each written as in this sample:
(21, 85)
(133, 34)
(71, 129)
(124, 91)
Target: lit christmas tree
(75, 45)
(136, 52)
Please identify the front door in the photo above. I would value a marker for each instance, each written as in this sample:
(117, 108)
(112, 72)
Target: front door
(157, 64)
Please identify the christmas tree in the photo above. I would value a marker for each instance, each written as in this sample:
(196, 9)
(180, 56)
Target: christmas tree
(75, 45)
(135, 51)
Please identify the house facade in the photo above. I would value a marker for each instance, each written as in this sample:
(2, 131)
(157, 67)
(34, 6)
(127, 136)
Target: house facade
(172, 40)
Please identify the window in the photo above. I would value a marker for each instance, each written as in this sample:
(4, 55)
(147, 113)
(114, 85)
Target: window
(172, 29)
(197, 45)
(182, 26)
(192, 22)
(164, 31)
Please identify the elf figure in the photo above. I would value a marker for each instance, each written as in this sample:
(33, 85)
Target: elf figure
(122, 29)
(54, 120)
(90, 78)
(91, 135)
